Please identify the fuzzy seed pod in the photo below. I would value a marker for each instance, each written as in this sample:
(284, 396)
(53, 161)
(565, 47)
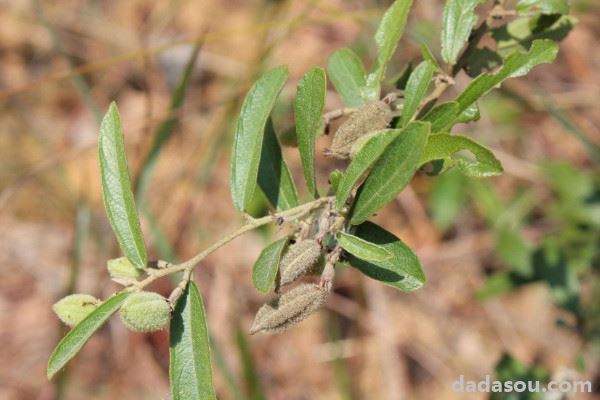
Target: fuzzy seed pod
(73, 308)
(373, 116)
(122, 268)
(289, 309)
(298, 260)
(145, 312)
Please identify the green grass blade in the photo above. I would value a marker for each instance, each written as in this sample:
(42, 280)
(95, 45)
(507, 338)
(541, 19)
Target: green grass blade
(167, 126)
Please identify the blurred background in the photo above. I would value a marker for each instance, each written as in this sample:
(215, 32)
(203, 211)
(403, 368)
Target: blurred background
(512, 262)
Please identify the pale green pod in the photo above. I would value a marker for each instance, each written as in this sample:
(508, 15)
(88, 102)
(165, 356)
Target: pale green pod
(122, 268)
(299, 259)
(289, 309)
(373, 116)
(145, 312)
(75, 307)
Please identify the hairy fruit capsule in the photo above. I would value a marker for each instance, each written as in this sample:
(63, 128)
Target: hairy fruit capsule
(74, 308)
(289, 309)
(373, 116)
(122, 268)
(298, 260)
(145, 312)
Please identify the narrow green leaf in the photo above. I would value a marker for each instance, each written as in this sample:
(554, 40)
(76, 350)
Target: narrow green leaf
(361, 162)
(166, 127)
(416, 88)
(73, 341)
(403, 270)
(545, 6)
(116, 189)
(442, 116)
(471, 113)
(190, 371)
(362, 249)
(515, 65)
(447, 198)
(457, 22)
(443, 147)
(308, 112)
(346, 71)
(445, 115)
(274, 177)
(247, 142)
(266, 266)
(387, 36)
(391, 172)
(428, 56)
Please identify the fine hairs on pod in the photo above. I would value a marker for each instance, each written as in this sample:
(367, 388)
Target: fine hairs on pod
(289, 309)
(145, 312)
(299, 259)
(373, 116)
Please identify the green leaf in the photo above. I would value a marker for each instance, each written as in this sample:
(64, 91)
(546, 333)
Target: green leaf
(514, 250)
(545, 6)
(445, 115)
(457, 22)
(274, 177)
(266, 266)
(515, 65)
(361, 162)
(391, 172)
(167, 126)
(362, 249)
(348, 76)
(190, 372)
(73, 341)
(247, 142)
(443, 147)
(387, 36)
(415, 90)
(447, 198)
(442, 116)
(496, 285)
(428, 56)
(308, 112)
(403, 270)
(471, 113)
(116, 189)
(520, 33)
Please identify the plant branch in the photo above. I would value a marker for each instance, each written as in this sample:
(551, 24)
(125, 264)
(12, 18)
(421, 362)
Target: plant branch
(190, 264)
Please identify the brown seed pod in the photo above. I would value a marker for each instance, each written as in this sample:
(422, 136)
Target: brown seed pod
(298, 260)
(289, 309)
(373, 116)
